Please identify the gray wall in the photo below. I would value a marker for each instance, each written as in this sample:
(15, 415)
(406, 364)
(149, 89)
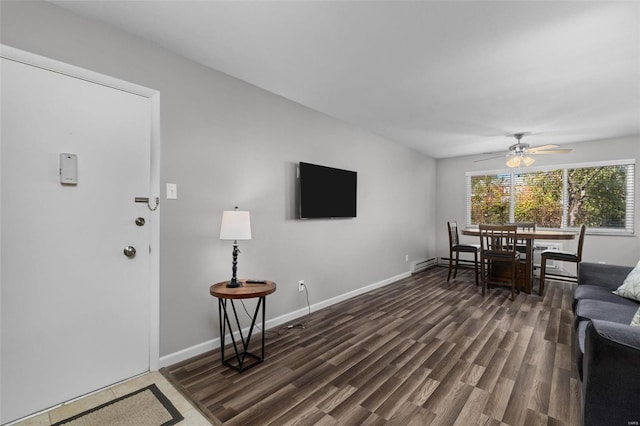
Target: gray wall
(624, 250)
(227, 143)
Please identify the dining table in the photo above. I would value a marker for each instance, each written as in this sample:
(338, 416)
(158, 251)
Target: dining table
(529, 237)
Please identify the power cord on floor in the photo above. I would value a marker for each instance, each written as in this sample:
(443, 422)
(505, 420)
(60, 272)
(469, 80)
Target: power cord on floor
(302, 324)
(306, 291)
(267, 333)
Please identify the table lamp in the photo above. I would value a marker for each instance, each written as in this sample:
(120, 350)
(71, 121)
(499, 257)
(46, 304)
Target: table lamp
(236, 225)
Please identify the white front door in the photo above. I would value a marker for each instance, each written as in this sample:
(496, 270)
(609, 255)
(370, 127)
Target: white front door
(75, 313)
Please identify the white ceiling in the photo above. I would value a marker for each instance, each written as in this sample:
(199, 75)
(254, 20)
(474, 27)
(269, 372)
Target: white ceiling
(448, 78)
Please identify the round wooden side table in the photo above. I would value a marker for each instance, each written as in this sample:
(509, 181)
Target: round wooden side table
(226, 296)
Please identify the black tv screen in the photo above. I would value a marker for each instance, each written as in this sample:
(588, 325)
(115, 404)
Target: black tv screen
(326, 192)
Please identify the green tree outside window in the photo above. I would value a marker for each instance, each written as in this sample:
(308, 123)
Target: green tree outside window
(598, 196)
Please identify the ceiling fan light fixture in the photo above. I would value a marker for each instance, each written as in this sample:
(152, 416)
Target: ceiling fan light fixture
(528, 161)
(514, 161)
(520, 153)
(517, 160)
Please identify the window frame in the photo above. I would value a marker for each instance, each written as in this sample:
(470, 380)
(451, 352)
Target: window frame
(629, 229)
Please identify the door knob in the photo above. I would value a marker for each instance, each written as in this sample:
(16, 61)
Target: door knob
(129, 251)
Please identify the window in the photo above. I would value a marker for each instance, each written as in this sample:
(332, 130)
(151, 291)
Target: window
(538, 197)
(490, 198)
(600, 195)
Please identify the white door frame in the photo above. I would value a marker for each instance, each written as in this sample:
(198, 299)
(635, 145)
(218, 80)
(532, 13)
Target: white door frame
(18, 55)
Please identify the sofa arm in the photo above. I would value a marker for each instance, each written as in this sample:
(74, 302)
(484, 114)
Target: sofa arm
(603, 275)
(611, 380)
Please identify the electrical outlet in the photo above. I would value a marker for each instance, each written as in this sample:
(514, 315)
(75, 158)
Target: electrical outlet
(406, 257)
(300, 285)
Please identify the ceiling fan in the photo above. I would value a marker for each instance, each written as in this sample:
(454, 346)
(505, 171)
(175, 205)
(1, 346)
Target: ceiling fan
(520, 153)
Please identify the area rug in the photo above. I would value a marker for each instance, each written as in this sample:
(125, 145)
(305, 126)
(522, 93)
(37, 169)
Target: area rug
(145, 407)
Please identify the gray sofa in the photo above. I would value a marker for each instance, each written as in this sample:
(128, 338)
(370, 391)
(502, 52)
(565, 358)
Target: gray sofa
(607, 347)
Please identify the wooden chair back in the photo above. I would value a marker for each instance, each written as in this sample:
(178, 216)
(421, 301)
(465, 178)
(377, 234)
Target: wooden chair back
(453, 234)
(455, 246)
(583, 229)
(498, 241)
(498, 245)
(523, 227)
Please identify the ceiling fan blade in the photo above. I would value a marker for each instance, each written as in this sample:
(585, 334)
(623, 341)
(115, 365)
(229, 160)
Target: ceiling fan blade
(555, 151)
(542, 148)
(490, 158)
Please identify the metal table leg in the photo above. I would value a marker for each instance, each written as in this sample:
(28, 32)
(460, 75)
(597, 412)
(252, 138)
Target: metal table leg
(241, 352)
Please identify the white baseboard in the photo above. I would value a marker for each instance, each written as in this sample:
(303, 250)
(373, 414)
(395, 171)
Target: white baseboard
(209, 345)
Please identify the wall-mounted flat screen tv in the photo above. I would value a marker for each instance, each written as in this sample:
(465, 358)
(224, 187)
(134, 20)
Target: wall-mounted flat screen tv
(326, 192)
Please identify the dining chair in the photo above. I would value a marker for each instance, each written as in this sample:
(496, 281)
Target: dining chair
(562, 256)
(521, 246)
(498, 245)
(523, 227)
(457, 248)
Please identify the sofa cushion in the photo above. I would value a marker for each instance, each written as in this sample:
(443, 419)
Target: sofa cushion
(603, 275)
(588, 309)
(630, 288)
(596, 292)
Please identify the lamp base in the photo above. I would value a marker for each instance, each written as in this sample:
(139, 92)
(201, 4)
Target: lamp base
(234, 283)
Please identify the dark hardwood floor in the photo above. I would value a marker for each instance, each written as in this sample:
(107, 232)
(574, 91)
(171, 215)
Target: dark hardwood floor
(420, 351)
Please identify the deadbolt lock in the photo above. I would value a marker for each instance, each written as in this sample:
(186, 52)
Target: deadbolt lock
(140, 221)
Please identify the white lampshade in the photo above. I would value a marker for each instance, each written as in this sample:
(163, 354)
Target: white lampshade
(236, 225)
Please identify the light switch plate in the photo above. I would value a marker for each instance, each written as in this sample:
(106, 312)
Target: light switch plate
(172, 191)
(68, 169)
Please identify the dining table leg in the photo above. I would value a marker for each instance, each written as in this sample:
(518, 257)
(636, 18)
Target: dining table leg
(528, 268)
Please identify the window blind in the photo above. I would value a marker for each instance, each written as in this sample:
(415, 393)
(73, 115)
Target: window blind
(599, 194)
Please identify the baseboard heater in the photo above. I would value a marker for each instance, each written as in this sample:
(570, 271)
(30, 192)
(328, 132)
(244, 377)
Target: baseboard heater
(552, 265)
(537, 249)
(423, 265)
(444, 261)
